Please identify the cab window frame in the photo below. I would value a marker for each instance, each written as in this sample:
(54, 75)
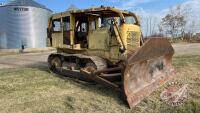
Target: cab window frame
(57, 25)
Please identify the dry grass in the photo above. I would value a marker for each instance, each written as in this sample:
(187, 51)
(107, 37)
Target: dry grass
(37, 91)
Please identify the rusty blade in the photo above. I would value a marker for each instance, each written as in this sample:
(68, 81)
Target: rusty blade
(147, 69)
(152, 48)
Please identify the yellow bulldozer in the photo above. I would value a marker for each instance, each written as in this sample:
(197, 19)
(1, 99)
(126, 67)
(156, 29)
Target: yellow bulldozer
(104, 45)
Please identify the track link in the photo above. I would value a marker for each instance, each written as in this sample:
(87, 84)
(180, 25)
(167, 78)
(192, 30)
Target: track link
(73, 58)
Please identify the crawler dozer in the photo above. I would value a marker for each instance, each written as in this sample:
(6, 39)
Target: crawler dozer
(104, 45)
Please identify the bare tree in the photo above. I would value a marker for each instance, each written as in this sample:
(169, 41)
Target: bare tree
(150, 23)
(191, 19)
(174, 22)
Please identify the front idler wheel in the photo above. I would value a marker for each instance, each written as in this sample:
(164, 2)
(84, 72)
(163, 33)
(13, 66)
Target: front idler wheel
(55, 65)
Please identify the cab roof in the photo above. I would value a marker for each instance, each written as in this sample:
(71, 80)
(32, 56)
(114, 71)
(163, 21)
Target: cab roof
(106, 11)
(99, 12)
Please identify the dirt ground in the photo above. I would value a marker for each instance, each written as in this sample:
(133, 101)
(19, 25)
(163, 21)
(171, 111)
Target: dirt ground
(38, 60)
(187, 49)
(27, 60)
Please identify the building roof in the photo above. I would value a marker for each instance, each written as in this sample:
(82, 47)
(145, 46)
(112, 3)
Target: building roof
(31, 3)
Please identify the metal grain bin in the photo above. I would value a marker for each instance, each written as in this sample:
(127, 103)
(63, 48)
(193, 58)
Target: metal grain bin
(25, 24)
(3, 41)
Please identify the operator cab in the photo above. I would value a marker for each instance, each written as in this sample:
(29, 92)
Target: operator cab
(82, 29)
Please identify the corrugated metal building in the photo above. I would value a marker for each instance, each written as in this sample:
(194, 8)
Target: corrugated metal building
(23, 23)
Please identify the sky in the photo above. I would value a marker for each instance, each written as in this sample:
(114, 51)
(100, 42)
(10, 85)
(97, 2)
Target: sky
(148, 5)
(144, 8)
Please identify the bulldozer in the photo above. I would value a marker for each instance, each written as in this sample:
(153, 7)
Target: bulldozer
(105, 45)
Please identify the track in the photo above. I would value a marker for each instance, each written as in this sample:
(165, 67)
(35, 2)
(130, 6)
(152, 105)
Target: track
(77, 61)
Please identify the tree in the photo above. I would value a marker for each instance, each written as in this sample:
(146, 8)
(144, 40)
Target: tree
(174, 22)
(150, 23)
(191, 18)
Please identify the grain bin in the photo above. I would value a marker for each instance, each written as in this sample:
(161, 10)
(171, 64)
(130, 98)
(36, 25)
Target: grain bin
(3, 41)
(23, 23)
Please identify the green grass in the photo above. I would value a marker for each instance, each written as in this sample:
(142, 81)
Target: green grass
(37, 91)
(186, 61)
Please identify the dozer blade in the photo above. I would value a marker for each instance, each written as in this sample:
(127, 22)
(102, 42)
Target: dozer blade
(147, 69)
